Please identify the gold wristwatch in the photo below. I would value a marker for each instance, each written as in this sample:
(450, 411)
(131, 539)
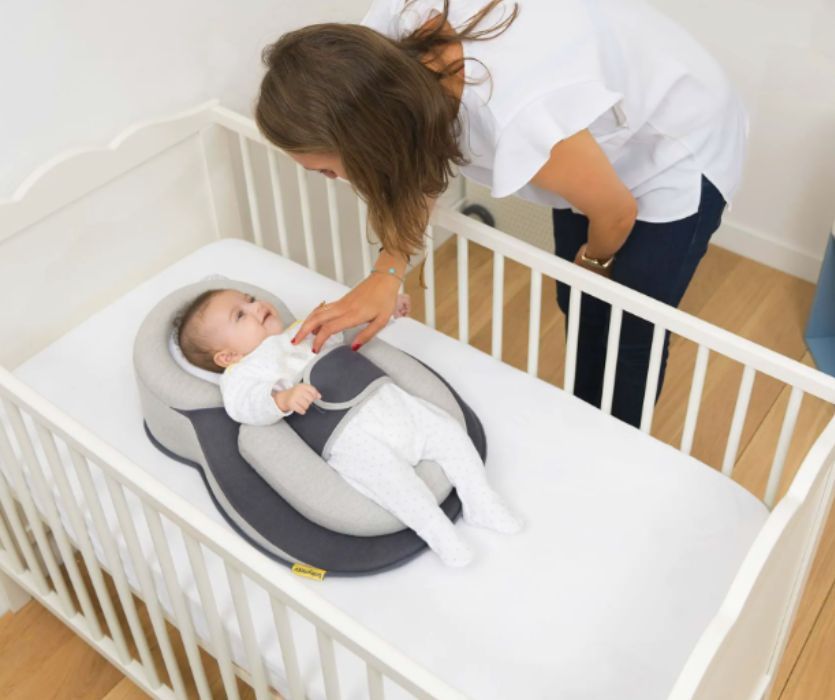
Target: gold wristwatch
(596, 263)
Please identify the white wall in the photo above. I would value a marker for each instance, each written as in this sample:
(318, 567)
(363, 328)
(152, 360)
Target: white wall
(76, 73)
(781, 57)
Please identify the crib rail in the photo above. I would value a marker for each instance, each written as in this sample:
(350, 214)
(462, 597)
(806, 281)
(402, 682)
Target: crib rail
(38, 570)
(62, 489)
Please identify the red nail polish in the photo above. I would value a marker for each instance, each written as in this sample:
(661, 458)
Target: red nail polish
(315, 350)
(294, 341)
(356, 346)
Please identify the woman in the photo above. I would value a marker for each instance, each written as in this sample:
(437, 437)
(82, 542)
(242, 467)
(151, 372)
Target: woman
(603, 110)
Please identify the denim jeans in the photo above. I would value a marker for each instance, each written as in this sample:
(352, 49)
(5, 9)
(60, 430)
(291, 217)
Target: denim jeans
(658, 259)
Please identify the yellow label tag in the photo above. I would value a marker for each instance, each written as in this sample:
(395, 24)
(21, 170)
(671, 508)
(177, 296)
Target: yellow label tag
(306, 571)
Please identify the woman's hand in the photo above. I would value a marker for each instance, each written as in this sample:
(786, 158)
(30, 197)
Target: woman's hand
(373, 301)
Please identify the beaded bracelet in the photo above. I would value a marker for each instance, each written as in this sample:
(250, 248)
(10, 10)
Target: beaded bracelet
(390, 271)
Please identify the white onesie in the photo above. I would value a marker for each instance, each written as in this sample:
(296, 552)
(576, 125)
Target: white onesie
(377, 450)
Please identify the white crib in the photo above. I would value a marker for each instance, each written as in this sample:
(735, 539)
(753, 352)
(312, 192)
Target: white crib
(58, 273)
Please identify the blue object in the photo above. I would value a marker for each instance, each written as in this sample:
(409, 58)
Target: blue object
(820, 331)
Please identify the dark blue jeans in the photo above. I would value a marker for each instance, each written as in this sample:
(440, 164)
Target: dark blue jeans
(658, 260)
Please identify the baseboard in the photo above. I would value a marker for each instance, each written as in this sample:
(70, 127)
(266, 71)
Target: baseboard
(768, 251)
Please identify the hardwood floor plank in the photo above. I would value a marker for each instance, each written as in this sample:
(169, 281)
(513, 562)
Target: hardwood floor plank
(42, 658)
(126, 690)
(813, 678)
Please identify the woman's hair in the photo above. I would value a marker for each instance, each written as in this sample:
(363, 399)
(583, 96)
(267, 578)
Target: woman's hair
(348, 90)
(189, 336)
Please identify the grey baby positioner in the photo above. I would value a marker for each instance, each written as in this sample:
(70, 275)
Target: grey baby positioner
(271, 483)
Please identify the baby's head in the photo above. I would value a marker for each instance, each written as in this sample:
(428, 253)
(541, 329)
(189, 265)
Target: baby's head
(221, 326)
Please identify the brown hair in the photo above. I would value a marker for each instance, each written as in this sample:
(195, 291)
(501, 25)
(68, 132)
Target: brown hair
(191, 342)
(346, 89)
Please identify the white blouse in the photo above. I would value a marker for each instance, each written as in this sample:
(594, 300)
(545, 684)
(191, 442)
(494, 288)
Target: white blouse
(658, 105)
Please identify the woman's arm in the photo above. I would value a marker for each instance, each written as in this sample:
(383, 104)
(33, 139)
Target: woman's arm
(373, 300)
(579, 171)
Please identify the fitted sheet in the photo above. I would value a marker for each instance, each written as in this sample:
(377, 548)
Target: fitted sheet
(628, 550)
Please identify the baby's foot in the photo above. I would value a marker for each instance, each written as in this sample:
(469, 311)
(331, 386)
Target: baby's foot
(444, 540)
(456, 553)
(494, 515)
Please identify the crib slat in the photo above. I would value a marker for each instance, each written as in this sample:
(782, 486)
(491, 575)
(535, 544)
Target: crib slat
(251, 647)
(251, 195)
(738, 421)
(146, 585)
(278, 202)
(362, 213)
(375, 683)
(6, 540)
(571, 337)
(429, 278)
(498, 305)
(13, 516)
(29, 507)
(307, 217)
(653, 374)
(91, 562)
(60, 534)
(175, 595)
(5, 535)
(695, 399)
(327, 659)
(336, 240)
(783, 443)
(220, 646)
(117, 573)
(463, 291)
(615, 320)
(289, 654)
(534, 321)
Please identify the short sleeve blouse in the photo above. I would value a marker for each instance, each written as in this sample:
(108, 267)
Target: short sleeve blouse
(658, 105)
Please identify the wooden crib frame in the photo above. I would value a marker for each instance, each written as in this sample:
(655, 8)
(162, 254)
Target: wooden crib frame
(737, 655)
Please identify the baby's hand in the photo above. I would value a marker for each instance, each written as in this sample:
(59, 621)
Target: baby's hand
(296, 399)
(404, 305)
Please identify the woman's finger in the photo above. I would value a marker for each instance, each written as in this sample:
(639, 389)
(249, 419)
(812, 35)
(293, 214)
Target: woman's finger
(335, 325)
(316, 318)
(369, 331)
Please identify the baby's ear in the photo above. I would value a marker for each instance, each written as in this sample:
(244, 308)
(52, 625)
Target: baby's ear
(226, 358)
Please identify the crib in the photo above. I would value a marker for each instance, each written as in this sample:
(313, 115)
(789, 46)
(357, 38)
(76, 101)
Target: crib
(52, 516)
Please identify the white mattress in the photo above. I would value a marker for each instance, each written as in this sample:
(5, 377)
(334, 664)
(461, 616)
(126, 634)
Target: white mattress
(628, 550)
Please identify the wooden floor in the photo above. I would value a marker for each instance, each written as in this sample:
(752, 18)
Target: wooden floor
(42, 659)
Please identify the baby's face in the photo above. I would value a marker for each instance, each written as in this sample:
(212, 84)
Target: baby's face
(234, 324)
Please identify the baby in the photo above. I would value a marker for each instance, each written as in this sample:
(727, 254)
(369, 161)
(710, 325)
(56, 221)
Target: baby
(382, 440)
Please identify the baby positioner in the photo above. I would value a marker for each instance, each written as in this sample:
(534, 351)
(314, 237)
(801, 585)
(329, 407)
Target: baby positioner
(272, 485)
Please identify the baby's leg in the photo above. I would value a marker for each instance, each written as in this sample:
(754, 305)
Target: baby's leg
(377, 472)
(449, 445)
